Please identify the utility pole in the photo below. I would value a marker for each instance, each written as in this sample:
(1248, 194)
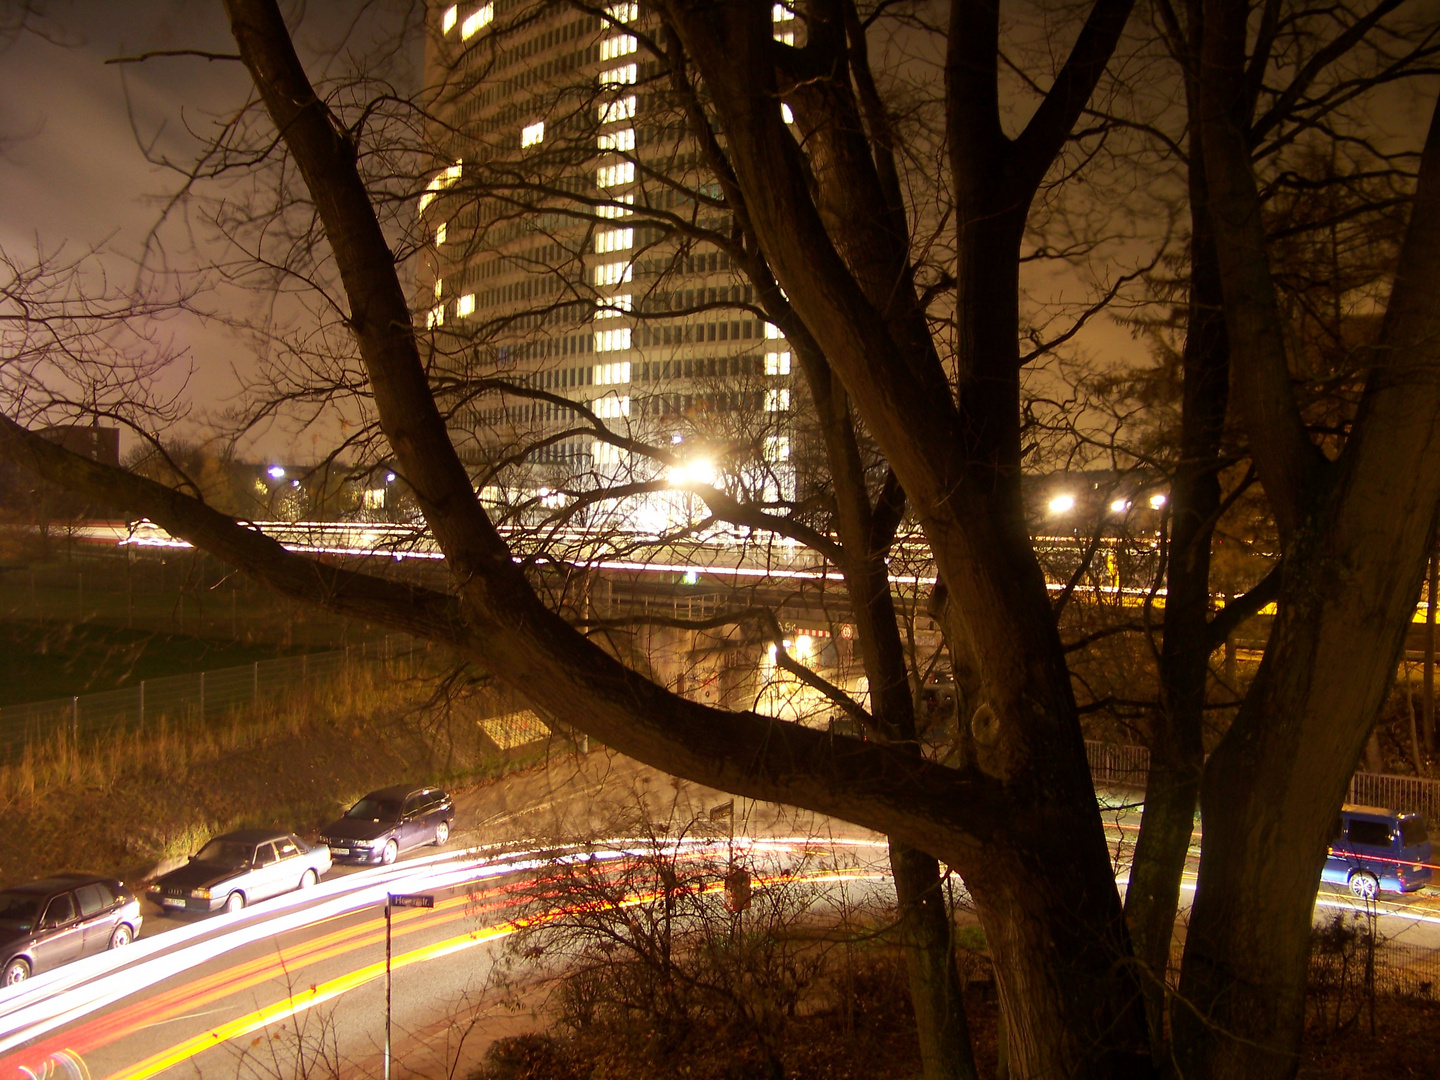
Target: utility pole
(1428, 702)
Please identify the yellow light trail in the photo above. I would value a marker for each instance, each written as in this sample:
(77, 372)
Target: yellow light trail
(334, 988)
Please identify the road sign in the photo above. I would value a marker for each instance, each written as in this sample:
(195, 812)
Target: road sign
(411, 900)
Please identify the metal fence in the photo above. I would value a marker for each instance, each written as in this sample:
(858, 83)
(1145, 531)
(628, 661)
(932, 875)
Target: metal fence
(202, 696)
(1124, 766)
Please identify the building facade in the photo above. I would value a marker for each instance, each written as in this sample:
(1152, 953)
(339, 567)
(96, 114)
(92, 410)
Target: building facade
(576, 270)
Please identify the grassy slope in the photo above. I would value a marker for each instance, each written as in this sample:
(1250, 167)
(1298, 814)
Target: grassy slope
(129, 804)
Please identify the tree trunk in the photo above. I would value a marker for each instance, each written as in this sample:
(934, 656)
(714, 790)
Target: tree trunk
(1359, 533)
(935, 989)
(1177, 750)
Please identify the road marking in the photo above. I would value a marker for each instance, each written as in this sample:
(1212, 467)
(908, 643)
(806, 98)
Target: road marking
(334, 988)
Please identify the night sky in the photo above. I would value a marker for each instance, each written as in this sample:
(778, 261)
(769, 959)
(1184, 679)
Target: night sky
(72, 168)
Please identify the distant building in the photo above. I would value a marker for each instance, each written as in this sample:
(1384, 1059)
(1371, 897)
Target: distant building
(548, 262)
(100, 444)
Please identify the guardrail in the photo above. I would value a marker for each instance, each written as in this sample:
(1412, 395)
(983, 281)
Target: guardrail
(202, 696)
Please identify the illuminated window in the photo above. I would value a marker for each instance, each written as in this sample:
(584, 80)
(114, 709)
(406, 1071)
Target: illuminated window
(621, 76)
(604, 453)
(622, 206)
(786, 114)
(616, 47)
(786, 38)
(611, 407)
(781, 13)
(777, 400)
(439, 234)
(777, 363)
(614, 175)
(772, 331)
(623, 13)
(439, 183)
(777, 448)
(465, 305)
(532, 134)
(613, 273)
(447, 21)
(435, 317)
(619, 141)
(612, 112)
(610, 374)
(439, 286)
(473, 24)
(609, 240)
(612, 341)
(612, 306)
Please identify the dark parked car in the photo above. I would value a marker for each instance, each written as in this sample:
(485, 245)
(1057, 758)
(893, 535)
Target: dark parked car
(386, 822)
(48, 923)
(240, 868)
(1373, 848)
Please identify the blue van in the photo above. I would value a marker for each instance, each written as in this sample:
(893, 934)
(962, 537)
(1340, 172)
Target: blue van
(1372, 849)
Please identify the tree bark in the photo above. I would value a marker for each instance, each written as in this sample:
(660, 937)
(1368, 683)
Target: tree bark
(1355, 550)
(1177, 750)
(935, 989)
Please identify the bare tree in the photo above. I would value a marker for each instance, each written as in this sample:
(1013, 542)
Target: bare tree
(827, 235)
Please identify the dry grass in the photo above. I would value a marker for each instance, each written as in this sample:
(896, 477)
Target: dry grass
(124, 803)
(170, 748)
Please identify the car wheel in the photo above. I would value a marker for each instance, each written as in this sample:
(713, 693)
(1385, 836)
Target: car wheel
(307, 879)
(17, 971)
(390, 851)
(1364, 885)
(442, 833)
(121, 937)
(235, 901)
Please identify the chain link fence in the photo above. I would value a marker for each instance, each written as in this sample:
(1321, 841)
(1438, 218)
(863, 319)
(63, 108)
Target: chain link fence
(196, 698)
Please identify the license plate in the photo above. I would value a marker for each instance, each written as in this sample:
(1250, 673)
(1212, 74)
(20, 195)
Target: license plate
(173, 901)
(340, 851)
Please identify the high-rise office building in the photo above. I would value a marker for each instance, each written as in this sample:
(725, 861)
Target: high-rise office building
(576, 249)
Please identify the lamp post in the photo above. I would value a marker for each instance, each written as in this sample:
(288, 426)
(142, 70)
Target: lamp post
(394, 900)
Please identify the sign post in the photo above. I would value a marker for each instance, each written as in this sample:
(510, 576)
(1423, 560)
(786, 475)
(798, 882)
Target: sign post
(394, 900)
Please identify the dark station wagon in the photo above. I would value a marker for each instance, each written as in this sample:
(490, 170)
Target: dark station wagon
(50, 922)
(386, 822)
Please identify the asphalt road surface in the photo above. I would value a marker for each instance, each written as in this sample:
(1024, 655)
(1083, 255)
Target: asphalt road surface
(295, 986)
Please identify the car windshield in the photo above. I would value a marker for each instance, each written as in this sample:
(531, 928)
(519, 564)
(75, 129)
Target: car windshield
(19, 910)
(368, 809)
(226, 853)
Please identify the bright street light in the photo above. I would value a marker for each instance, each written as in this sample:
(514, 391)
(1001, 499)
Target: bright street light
(1157, 501)
(1062, 504)
(696, 471)
(276, 472)
(1119, 506)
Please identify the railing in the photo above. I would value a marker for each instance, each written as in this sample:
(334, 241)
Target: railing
(1124, 766)
(202, 696)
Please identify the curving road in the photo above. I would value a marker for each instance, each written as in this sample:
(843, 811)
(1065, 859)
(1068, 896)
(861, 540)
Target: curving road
(295, 986)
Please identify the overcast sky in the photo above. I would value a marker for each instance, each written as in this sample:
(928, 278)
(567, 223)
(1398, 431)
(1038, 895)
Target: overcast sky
(72, 168)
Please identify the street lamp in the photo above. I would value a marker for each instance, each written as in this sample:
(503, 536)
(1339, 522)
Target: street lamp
(694, 471)
(1157, 501)
(1062, 504)
(1119, 506)
(276, 472)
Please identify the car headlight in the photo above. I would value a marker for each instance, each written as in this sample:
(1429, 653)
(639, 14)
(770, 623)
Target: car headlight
(200, 894)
